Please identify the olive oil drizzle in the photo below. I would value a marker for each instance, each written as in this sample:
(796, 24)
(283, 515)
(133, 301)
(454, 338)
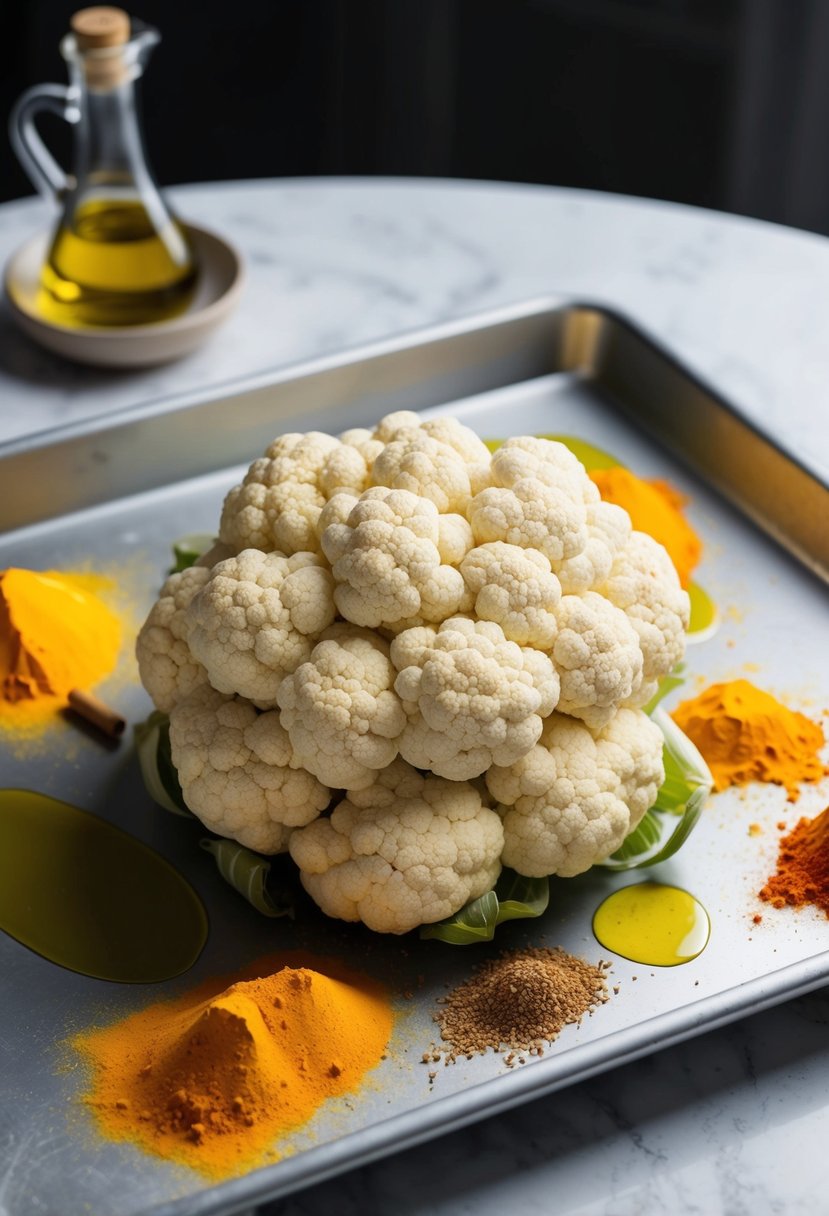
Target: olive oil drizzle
(82, 893)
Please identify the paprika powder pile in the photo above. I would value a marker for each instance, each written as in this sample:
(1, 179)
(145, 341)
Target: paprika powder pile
(747, 735)
(213, 1078)
(802, 875)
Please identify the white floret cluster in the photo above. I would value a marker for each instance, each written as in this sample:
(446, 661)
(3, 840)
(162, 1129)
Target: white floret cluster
(408, 661)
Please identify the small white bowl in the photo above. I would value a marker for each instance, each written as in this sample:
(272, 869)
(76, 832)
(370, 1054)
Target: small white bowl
(219, 284)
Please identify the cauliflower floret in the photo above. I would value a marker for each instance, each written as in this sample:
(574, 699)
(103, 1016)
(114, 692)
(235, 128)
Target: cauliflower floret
(574, 798)
(407, 851)
(515, 588)
(634, 745)
(608, 531)
(347, 469)
(386, 562)
(472, 697)
(238, 773)
(257, 618)
(277, 505)
(455, 539)
(597, 656)
(643, 582)
(336, 510)
(166, 666)
(532, 515)
(464, 440)
(387, 427)
(340, 711)
(365, 443)
(473, 451)
(414, 461)
(545, 460)
(445, 430)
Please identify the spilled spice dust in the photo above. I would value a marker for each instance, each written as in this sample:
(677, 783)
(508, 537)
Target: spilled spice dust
(802, 875)
(520, 1001)
(747, 735)
(213, 1078)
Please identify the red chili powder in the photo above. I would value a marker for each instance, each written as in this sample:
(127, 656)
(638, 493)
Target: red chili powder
(802, 875)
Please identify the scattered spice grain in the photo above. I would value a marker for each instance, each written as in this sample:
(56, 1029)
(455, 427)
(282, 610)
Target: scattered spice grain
(520, 1001)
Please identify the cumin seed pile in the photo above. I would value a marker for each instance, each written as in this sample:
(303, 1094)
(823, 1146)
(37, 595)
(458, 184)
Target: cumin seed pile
(520, 1000)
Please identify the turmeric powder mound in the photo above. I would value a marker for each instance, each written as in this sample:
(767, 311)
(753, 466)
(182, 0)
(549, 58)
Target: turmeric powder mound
(56, 634)
(747, 735)
(214, 1078)
(654, 507)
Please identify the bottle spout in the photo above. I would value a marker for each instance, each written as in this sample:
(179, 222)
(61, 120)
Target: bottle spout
(145, 37)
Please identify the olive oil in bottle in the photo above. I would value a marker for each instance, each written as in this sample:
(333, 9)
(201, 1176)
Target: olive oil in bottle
(109, 265)
(118, 255)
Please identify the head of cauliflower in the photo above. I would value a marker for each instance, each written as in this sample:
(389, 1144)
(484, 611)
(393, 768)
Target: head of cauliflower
(409, 661)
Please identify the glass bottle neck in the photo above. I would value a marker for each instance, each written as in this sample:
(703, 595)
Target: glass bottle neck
(109, 149)
(110, 165)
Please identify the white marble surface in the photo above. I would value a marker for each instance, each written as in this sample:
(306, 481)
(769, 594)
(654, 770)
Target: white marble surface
(333, 263)
(733, 1122)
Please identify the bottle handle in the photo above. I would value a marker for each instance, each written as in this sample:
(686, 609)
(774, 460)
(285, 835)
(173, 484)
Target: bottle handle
(46, 174)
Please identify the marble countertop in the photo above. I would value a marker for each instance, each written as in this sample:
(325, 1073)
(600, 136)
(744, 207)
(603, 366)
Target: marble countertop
(336, 262)
(734, 1121)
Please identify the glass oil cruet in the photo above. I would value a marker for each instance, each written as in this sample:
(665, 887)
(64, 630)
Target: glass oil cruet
(118, 255)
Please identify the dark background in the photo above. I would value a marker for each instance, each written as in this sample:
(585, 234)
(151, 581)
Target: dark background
(722, 103)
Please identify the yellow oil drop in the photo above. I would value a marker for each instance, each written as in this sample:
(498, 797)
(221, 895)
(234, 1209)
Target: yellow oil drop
(704, 615)
(84, 894)
(652, 923)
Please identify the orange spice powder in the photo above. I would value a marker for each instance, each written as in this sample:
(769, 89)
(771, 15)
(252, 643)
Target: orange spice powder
(746, 734)
(56, 634)
(213, 1078)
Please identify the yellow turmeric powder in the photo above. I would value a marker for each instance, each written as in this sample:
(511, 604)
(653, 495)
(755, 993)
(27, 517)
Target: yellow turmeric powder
(747, 735)
(56, 634)
(654, 507)
(213, 1078)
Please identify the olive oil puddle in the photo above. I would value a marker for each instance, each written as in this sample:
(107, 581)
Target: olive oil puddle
(88, 896)
(651, 923)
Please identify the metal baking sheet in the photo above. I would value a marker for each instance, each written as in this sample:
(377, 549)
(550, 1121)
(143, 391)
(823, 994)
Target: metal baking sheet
(113, 496)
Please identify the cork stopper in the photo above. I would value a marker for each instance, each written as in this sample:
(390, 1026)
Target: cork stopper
(101, 26)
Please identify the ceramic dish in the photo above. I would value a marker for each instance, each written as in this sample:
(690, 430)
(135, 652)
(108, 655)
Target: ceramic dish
(216, 295)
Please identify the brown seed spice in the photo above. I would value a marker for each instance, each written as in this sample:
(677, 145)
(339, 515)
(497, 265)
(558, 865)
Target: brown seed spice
(520, 1001)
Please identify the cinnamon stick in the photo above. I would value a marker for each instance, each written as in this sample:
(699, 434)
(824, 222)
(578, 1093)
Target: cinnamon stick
(100, 715)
